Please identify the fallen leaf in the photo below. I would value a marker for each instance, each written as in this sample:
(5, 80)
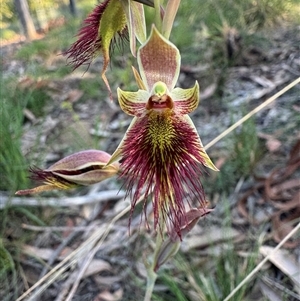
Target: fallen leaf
(283, 225)
(273, 145)
(44, 253)
(213, 236)
(285, 262)
(296, 108)
(97, 266)
(281, 190)
(109, 280)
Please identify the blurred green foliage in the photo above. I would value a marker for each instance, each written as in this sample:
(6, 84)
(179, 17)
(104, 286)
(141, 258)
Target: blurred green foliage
(13, 167)
(212, 277)
(243, 153)
(8, 13)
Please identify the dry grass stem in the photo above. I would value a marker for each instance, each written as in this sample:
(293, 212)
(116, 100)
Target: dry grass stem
(253, 112)
(90, 245)
(55, 228)
(102, 196)
(260, 265)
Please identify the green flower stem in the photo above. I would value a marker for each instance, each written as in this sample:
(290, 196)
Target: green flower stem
(151, 278)
(151, 275)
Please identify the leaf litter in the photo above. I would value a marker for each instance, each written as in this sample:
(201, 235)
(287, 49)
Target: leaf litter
(271, 199)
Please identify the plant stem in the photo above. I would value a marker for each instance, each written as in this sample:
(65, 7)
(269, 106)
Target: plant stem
(151, 278)
(151, 274)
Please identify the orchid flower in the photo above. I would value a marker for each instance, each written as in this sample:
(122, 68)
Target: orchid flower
(108, 20)
(161, 155)
(82, 168)
(161, 149)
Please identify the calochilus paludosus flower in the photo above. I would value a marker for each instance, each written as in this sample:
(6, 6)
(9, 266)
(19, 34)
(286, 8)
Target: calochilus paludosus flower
(108, 21)
(161, 153)
(82, 168)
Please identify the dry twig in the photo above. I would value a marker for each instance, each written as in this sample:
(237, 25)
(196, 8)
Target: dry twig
(103, 196)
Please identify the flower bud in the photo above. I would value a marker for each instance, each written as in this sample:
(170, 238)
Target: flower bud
(171, 245)
(82, 168)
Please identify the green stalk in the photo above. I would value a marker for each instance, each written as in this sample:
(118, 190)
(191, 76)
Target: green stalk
(151, 275)
(151, 278)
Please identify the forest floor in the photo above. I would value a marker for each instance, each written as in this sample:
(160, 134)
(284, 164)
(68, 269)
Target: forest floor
(255, 195)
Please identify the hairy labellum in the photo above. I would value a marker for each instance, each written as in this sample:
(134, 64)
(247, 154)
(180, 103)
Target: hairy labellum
(161, 154)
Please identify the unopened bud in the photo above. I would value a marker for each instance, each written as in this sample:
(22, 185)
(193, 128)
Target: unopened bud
(82, 168)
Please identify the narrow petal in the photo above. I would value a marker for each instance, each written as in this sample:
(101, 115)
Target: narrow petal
(169, 16)
(138, 79)
(158, 60)
(186, 100)
(189, 220)
(162, 151)
(205, 160)
(133, 103)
